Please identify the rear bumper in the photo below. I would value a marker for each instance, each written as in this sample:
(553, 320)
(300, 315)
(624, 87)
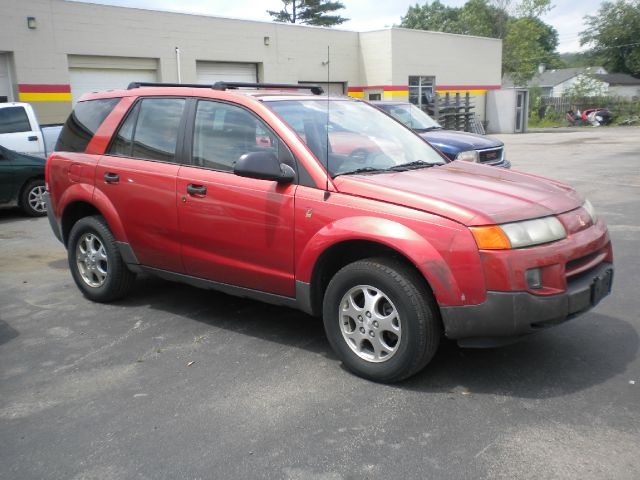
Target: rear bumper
(506, 316)
(57, 231)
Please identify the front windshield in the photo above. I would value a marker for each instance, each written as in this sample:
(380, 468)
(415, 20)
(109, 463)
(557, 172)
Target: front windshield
(411, 116)
(360, 138)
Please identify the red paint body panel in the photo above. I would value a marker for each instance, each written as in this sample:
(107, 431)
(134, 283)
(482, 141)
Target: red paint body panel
(444, 251)
(145, 199)
(241, 232)
(468, 193)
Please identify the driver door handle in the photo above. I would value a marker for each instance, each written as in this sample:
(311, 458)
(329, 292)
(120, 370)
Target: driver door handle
(193, 189)
(111, 177)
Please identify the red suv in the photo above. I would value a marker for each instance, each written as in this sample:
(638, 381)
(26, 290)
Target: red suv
(395, 246)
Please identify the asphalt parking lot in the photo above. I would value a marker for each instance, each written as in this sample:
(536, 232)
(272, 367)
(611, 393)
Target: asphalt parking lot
(90, 391)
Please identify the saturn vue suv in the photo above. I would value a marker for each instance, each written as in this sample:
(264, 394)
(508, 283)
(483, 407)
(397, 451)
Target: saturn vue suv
(237, 187)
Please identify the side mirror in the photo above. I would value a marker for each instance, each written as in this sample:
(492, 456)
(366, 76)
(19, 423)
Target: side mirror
(264, 166)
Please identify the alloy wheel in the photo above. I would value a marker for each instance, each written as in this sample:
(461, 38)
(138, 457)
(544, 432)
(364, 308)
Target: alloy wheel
(370, 323)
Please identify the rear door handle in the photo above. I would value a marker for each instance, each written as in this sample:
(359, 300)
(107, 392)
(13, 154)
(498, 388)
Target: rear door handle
(33, 138)
(111, 177)
(196, 189)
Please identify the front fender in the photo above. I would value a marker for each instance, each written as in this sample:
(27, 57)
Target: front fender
(391, 234)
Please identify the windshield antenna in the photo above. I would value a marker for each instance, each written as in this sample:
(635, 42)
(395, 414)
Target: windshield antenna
(326, 190)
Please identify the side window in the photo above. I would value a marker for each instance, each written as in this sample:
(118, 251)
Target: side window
(150, 131)
(83, 123)
(123, 141)
(223, 133)
(14, 120)
(156, 133)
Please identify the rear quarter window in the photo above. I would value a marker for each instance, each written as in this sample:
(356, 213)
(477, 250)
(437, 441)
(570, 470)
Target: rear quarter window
(14, 120)
(83, 123)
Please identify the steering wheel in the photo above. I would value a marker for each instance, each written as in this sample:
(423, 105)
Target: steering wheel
(360, 155)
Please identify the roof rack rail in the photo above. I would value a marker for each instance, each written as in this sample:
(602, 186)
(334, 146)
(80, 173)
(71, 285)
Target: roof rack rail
(133, 85)
(315, 89)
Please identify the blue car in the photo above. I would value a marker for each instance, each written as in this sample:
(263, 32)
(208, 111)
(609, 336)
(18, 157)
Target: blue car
(455, 145)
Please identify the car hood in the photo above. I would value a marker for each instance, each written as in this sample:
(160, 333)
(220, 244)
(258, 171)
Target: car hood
(447, 140)
(468, 193)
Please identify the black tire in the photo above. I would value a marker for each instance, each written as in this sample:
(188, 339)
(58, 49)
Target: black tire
(31, 200)
(419, 320)
(119, 279)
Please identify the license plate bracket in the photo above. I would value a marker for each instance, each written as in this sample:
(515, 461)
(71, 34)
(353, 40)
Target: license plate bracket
(601, 286)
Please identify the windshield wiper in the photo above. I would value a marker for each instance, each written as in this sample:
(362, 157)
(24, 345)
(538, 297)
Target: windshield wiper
(412, 166)
(427, 129)
(361, 170)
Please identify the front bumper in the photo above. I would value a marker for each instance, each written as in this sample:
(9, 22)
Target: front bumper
(507, 316)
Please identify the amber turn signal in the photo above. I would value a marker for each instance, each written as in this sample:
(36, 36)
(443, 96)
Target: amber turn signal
(490, 238)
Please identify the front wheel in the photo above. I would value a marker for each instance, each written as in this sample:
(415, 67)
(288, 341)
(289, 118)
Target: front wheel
(95, 261)
(381, 320)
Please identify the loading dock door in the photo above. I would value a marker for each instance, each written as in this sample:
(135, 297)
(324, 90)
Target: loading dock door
(209, 73)
(94, 74)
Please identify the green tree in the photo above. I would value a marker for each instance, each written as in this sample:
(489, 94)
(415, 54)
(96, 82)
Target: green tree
(614, 35)
(522, 51)
(432, 16)
(309, 12)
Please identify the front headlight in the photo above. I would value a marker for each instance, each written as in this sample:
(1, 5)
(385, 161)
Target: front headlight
(468, 156)
(519, 234)
(590, 210)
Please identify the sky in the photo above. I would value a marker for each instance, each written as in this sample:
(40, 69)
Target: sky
(566, 16)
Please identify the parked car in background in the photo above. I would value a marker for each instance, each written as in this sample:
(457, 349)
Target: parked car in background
(455, 145)
(242, 191)
(22, 182)
(21, 132)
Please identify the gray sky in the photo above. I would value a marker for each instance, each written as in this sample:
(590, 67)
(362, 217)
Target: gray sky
(566, 17)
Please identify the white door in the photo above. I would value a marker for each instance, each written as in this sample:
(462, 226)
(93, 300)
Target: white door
(211, 72)
(84, 80)
(5, 79)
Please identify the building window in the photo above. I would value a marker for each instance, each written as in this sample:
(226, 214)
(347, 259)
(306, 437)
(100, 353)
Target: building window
(421, 90)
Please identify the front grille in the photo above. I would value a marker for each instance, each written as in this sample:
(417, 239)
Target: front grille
(584, 264)
(490, 155)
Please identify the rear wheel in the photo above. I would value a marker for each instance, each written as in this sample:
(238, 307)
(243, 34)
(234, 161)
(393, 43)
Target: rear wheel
(95, 261)
(32, 198)
(381, 320)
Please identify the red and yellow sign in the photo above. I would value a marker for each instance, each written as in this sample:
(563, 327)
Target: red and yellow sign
(44, 93)
(390, 91)
(384, 90)
(463, 89)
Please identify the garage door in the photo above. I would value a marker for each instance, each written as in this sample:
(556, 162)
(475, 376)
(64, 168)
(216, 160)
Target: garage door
(92, 74)
(212, 72)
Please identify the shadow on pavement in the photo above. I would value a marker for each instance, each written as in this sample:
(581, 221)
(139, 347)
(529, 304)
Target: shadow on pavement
(577, 355)
(7, 332)
(574, 356)
(268, 322)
